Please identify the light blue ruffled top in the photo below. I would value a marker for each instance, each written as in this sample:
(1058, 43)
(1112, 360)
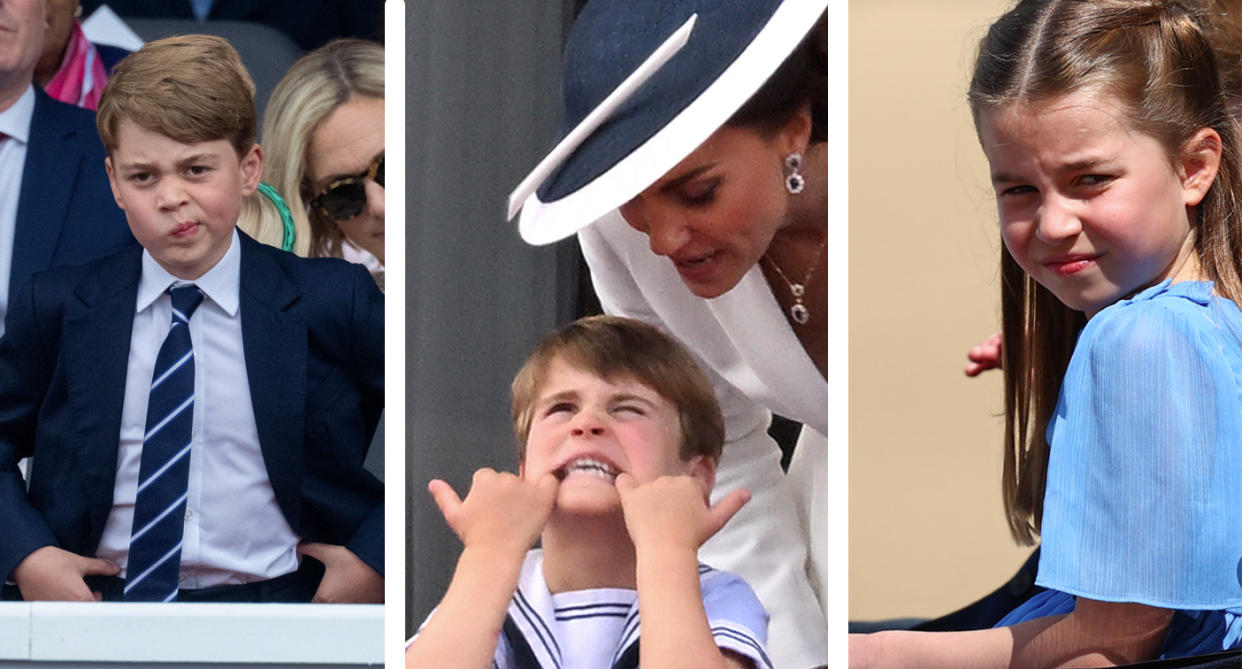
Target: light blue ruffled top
(1144, 490)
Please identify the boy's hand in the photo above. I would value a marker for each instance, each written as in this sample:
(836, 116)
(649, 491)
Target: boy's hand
(672, 511)
(668, 520)
(498, 523)
(55, 574)
(346, 578)
(502, 511)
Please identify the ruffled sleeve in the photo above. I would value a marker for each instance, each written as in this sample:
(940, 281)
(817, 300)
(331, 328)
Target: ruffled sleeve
(1144, 491)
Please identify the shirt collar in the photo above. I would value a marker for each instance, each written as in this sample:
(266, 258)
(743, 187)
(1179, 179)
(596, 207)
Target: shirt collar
(220, 284)
(15, 121)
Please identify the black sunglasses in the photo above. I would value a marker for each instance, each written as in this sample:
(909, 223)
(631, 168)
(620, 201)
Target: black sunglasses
(345, 198)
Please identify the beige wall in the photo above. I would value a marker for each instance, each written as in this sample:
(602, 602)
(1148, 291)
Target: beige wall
(927, 532)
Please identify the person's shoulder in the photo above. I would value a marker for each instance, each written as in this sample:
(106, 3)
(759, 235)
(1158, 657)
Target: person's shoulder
(91, 273)
(1164, 315)
(56, 293)
(716, 583)
(338, 300)
(737, 618)
(315, 274)
(62, 115)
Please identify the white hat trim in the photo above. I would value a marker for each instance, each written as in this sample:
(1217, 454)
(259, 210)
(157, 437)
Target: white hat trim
(596, 118)
(547, 222)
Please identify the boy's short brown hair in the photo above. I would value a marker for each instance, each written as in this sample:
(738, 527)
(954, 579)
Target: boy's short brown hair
(189, 88)
(612, 347)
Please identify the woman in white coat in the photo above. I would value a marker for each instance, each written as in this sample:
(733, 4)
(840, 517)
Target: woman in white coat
(693, 168)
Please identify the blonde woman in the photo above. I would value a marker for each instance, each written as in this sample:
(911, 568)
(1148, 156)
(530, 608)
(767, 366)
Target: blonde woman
(323, 135)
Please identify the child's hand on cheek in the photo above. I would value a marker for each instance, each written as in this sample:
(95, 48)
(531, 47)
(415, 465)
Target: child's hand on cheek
(672, 511)
(502, 511)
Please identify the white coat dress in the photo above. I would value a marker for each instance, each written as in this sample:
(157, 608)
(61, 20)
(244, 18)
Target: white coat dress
(777, 542)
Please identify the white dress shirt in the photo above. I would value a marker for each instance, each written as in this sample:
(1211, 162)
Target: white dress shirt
(234, 530)
(14, 138)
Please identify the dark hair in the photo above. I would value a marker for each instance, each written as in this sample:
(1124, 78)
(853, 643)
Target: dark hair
(1153, 58)
(611, 347)
(800, 81)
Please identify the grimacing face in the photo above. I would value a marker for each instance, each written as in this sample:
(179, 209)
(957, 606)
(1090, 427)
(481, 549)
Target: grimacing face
(586, 430)
(1090, 208)
(182, 201)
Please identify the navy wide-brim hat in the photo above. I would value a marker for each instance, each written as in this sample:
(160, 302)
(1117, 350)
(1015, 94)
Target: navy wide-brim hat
(645, 83)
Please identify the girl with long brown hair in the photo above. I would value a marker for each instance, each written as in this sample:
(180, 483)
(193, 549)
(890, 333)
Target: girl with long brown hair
(1114, 162)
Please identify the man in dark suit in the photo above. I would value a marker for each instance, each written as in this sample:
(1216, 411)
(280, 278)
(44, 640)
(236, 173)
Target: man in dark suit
(55, 206)
(285, 377)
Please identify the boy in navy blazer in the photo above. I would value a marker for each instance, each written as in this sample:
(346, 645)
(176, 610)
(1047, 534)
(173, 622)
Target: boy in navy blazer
(280, 359)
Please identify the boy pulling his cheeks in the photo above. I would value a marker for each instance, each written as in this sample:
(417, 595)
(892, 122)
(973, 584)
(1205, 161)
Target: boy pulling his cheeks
(619, 434)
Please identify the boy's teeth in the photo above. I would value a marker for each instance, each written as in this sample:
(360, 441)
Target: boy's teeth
(594, 467)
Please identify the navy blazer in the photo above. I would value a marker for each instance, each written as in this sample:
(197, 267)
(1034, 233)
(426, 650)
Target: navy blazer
(312, 332)
(65, 211)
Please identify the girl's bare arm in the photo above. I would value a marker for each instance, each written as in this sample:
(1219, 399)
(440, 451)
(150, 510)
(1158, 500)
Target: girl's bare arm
(1095, 634)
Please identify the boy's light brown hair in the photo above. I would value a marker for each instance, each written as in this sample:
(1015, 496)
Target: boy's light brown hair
(613, 347)
(189, 88)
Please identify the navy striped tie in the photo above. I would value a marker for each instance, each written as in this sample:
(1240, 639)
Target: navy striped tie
(159, 509)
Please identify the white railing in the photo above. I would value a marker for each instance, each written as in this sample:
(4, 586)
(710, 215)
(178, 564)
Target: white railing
(313, 636)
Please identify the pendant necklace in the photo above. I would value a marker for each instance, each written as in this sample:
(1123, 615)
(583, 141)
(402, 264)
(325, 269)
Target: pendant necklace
(798, 311)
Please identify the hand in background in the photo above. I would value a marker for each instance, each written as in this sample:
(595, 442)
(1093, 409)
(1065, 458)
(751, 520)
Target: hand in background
(55, 574)
(672, 511)
(502, 511)
(985, 355)
(346, 578)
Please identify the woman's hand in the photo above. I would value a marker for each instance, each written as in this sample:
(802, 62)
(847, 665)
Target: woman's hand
(985, 355)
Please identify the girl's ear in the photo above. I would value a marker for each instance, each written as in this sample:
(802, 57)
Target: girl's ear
(703, 469)
(1198, 164)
